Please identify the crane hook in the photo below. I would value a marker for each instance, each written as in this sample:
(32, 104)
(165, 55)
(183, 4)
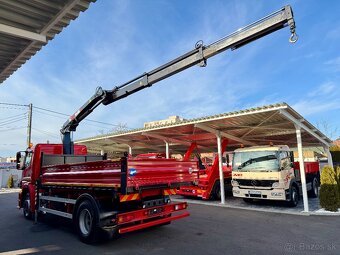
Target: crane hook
(293, 38)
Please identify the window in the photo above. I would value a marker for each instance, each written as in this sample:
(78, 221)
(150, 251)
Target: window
(28, 159)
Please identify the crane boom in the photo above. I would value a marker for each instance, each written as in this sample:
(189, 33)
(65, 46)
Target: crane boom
(198, 56)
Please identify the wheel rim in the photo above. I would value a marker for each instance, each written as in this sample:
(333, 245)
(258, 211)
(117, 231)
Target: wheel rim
(294, 196)
(85, 221)
(26, 208)
(316, 187)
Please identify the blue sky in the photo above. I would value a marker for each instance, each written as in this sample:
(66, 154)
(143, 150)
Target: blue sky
(114, 41)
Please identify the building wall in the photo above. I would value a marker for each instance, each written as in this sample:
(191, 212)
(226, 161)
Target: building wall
(8, 168)
(6, 173)
(170, 120)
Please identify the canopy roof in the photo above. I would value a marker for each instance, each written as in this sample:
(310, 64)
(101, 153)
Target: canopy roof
(26, 26)
(256, 126)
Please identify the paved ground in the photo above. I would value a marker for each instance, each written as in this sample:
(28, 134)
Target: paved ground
(259, 205)
(209, 230)
(6, 190)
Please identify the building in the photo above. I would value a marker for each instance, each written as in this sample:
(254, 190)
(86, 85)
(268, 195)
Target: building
(169, 120)
(7, 169)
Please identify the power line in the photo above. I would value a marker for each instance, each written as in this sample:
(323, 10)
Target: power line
(46, 132)
(60, 117)
(64, 114)
(12, 121)
(26, 105)
(13, 116)
(12, 108)
(51, 111)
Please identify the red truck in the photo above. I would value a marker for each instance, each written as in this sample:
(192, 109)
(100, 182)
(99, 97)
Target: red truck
(206, 183)
(117, 196)
(126, 194)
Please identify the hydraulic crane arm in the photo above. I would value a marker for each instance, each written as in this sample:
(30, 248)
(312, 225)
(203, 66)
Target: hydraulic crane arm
(198, 56)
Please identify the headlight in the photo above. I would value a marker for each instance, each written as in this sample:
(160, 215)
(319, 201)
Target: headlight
(276, 184)
(234, 183)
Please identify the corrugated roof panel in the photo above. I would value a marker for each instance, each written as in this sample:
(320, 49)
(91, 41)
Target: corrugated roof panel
(39, 16)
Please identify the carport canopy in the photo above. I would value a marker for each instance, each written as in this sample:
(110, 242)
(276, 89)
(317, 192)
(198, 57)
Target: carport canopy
(26, 26)
(255, 126)
(277, 124)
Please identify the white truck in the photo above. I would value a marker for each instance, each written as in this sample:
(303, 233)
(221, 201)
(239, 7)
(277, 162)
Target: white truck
(269, 172)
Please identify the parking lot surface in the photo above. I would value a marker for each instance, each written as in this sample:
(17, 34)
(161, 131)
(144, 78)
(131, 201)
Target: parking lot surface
(209, 230)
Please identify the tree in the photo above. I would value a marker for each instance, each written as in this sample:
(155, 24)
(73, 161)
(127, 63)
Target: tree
(10, 182)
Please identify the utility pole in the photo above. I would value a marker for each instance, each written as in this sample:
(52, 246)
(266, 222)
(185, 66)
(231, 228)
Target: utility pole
(29, 125)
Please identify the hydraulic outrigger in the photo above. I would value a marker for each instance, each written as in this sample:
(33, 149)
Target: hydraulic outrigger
(198, 56)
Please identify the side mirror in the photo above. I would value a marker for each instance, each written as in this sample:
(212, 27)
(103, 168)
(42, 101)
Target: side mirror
(292, 164)
(20, 160)
(18, 157)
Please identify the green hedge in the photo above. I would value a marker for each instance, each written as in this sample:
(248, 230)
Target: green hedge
(10, 182)
(330, 189)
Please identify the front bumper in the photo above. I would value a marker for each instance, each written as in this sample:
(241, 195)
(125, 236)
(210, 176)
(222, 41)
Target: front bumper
(270, 194)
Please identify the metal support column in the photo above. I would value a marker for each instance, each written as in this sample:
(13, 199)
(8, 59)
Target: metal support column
(302, 169)
(130, 150)
(167, 149)
(29, 125)
(329, 156)
(220, 167)
(102, 152)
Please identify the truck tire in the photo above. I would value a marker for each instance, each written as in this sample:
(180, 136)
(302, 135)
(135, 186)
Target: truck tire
(314, 192)
(26, 208)
(216, 191)
(294, 197)
(86, 222)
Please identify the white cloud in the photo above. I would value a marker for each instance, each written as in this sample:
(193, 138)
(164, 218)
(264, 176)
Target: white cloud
(327, 88)
(315, 106)
(333, 64)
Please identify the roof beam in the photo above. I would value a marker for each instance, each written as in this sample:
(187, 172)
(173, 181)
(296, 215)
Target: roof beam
(224, 134)
(133, 144)
(258, 125)
(18, 32)
(303, 126)
(164, 138)
(172, 140)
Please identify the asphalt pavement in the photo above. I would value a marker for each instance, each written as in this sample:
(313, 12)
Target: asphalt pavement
(209, 230)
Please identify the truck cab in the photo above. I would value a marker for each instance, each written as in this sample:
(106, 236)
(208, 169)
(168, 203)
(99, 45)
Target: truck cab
(269, 172)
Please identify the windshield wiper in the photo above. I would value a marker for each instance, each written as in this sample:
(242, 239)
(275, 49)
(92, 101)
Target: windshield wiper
(255, 160)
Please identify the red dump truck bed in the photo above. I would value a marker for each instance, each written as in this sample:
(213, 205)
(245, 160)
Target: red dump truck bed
(310, 167)
(129, 173)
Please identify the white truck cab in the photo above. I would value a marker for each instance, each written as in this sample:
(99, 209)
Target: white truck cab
(269, 172)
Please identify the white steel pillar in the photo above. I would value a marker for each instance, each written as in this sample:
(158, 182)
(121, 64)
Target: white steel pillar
(329, 156)
(220, 167)
(302, 169)
(130, 150)
(167, 149)
(102, 152)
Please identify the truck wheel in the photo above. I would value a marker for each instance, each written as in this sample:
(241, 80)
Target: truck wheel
(314, 192)
(294, 197)
(216, 192)
(27, 208)
(86, 222)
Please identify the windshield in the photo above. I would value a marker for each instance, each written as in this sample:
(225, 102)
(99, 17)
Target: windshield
(252, 161)
(28, 159)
